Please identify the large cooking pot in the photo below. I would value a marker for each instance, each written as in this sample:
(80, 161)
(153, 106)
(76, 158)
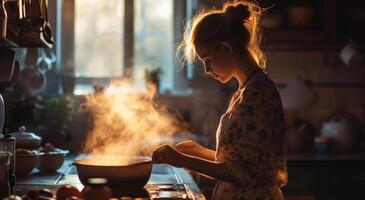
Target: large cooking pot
(120, 175)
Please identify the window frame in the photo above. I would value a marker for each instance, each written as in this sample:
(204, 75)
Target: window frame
(65, 49)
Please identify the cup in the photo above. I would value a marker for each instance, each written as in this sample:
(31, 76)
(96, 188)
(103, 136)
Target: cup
(350, 56)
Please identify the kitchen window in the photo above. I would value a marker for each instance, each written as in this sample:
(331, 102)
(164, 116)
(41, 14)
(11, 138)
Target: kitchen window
(102, 40)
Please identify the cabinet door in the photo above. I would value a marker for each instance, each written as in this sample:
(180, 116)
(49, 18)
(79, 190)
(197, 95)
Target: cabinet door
(342, 181)
(297, 22)
(299, 197)
(350, 19)
(301, 181)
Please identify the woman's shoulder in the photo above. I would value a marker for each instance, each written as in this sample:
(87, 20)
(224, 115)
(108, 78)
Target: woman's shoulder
(260, 84)
(260, 90)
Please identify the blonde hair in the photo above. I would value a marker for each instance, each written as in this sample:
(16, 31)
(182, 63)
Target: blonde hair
(237, 23)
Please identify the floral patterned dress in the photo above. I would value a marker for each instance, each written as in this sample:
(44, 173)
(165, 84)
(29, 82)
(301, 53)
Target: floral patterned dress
(251, 142)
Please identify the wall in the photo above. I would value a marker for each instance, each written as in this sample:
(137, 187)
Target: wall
(337, 87)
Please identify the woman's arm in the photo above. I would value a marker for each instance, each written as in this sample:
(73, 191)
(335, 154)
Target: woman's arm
(209, 168)
(193, 149)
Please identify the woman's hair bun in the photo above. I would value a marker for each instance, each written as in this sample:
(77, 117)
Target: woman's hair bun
(239, 11)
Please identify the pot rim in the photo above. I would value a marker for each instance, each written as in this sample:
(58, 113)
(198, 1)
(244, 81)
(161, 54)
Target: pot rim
(144, 160)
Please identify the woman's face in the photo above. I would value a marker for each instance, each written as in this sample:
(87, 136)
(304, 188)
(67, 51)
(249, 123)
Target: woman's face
(217, 62)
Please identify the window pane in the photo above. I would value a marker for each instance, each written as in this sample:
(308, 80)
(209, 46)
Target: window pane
(153, 39)
(99, 38)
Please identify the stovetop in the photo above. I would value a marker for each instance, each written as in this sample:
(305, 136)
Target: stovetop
(151, 191)
(166, 191)
(166, 182)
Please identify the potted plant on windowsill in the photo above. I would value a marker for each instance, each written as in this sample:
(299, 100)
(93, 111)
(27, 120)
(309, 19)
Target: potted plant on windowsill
(152, 77)
(52, 117)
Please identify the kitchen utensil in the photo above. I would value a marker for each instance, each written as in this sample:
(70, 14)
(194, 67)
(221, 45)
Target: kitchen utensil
(35, 27)
(30, 15)
(350, 55)
(51, 161)
(47, 32)
(26, 140)
(45, 59)
(120, 176)
(32, 80)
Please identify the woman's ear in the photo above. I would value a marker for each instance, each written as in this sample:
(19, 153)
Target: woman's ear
(226, 47)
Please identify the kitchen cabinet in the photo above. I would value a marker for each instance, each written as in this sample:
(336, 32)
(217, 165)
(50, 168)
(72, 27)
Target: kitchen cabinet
(297, 22)
(312, 23)
(350, 20)
(333, 23)
(322, 177)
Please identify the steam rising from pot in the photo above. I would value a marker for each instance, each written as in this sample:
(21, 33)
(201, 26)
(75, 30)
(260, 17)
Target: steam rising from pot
(126, 123)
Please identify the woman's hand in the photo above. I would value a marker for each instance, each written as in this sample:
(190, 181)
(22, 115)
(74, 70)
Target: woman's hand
(167, 154)
(188, 147)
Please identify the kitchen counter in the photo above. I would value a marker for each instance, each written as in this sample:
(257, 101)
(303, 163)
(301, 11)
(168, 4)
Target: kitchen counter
(67, 175)
(326, 176)
(325, 157)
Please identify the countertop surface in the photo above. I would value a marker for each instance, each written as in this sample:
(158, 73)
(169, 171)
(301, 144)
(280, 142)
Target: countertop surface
(67, 175)
(314, 156)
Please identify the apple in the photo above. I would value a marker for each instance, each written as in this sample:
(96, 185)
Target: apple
(67, 191)
(45, 193)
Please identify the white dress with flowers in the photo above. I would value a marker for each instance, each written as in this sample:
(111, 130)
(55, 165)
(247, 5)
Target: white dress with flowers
(251, 142)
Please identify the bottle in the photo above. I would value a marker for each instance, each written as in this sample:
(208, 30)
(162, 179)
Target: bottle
(3, 19)
(8, 145)
(96, 189)
(4, 174)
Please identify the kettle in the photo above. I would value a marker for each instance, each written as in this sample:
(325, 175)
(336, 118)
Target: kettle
(26, 140)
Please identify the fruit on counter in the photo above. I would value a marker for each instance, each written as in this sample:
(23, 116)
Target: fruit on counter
(73, 198)
(67, 191)
(47, 148)
(13, 197)
(25, 197)
(40, 197)
(32, 194)
(45, 193)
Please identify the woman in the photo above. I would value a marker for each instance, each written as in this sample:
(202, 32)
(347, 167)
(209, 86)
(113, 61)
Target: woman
(250, 157)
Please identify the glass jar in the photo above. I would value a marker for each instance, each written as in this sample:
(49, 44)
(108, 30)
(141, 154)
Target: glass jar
(7, 144)
(96, 189)
(4, 174)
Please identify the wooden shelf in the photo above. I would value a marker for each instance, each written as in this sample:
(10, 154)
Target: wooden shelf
(294, 36)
